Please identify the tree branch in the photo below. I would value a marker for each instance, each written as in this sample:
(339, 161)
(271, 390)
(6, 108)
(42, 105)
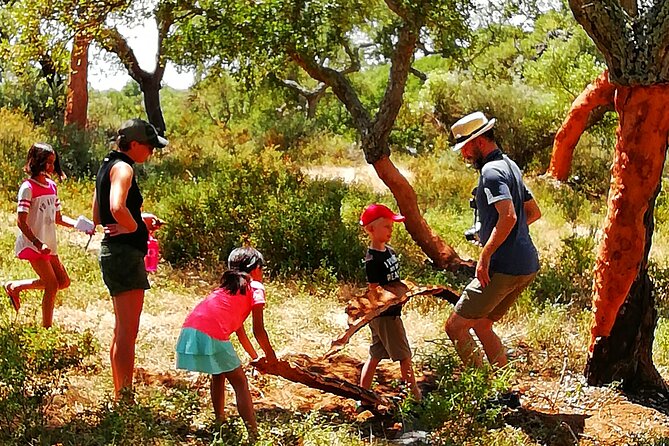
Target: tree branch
(391, 103)
(340, 85)
(111, 40)
(419, 74)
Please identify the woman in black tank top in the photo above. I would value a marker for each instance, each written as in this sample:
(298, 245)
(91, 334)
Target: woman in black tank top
(118, 208)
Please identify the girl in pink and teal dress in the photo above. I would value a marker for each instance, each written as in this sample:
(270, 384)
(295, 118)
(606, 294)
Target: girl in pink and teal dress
(204, 343)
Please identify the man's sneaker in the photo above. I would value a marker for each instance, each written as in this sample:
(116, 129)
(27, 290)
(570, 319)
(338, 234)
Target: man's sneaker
(13, 297)
(360, 407)
(507, 399)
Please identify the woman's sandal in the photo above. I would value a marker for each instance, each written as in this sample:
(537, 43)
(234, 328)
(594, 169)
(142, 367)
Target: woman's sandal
(13, 298)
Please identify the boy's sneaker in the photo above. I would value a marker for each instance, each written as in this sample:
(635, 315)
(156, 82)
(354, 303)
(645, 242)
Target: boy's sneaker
(13, 297)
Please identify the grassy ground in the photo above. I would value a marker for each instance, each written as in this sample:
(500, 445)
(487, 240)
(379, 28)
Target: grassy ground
(548, 339)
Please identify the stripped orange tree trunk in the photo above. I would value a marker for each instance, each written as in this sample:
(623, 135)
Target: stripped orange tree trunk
(76, 107)
(621, 272)
(595, 99)
(632, 38)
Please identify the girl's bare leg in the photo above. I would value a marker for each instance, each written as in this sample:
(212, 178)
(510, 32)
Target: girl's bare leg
(244, 402)
(218, 396)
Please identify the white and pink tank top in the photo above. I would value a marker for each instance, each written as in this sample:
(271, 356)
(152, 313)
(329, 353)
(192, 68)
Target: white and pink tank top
(40, 201)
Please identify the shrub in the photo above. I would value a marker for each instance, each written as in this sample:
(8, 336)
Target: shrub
(264, 201)
(17, 134)
(33, 369)
(80, 151)
(568, 278)
(527, 118)
(458, 408)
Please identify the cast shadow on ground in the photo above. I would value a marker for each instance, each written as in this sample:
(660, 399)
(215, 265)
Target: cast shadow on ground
(556, 429)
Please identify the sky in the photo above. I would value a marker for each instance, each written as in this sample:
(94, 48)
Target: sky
(105, 75)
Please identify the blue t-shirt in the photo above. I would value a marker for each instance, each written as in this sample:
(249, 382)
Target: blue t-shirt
(501, 179)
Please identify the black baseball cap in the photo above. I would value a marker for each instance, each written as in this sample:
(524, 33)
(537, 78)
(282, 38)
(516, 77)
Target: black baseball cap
(142, 131)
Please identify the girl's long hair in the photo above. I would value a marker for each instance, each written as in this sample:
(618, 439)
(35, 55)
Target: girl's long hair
(38, 155)
(235, 282)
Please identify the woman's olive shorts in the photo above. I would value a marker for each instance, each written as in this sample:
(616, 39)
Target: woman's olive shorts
(123, 268)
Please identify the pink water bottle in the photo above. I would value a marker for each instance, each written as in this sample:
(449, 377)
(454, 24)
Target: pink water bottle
(152, 254)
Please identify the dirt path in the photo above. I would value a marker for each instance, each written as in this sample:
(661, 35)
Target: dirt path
(362, 174)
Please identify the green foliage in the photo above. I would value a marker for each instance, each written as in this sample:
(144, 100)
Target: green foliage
(662, 204)
(567, 277)
(34, 369)
(459, 406)
(264, 201)
(17, 134)
(107, 110)
(33, 95)
(80, 151)
(526, 117)
(163, 416)
(659, 274)
(288, 429)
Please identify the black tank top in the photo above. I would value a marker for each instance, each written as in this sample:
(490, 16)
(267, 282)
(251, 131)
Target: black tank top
(133, 202)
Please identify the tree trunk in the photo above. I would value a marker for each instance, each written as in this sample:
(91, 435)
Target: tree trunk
(625, 315)
(150, 87)
(595, 96)
(76, 108)
(626, 355)
(443, 256)
(640, 152)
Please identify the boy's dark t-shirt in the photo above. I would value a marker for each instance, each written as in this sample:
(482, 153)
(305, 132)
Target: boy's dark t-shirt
(382, 267)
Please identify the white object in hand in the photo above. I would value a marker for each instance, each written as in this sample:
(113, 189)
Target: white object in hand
(84, 225)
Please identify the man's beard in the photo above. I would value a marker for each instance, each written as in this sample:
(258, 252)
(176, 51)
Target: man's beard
(477, 159)
(478, 163)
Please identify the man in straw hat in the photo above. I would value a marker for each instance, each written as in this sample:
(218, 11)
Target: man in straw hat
(508, 261)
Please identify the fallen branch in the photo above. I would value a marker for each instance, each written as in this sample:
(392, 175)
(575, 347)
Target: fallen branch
(361, 309)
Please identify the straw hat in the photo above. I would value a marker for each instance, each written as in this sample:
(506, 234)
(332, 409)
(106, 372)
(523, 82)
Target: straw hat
(470, 127)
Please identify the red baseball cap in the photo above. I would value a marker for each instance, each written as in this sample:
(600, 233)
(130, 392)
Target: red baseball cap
(376, 211)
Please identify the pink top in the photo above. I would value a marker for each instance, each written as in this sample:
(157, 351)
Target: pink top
(220, 314)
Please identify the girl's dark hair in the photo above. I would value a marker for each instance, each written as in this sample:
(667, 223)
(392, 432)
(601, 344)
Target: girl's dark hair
(38, 155)
(245, 259)
(235, 282)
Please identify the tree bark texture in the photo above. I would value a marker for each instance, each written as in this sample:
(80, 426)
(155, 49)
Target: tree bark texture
(599, 94)
(639, 158)
(76, 107)
(636, 47)
(443, 256)
(626, 355)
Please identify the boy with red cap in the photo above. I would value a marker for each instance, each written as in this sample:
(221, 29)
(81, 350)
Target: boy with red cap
(389, 339)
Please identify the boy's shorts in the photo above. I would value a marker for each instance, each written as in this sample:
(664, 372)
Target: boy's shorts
(122, 268)
(493, 301)
(389, 339)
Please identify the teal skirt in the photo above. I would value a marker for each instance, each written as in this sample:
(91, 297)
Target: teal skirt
(199, 352)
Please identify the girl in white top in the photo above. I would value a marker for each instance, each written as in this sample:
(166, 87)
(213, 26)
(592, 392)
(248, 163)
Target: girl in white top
(38, 213)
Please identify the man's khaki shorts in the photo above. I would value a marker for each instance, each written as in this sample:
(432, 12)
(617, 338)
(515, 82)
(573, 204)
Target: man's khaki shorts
(389, 339)
(493, 301)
